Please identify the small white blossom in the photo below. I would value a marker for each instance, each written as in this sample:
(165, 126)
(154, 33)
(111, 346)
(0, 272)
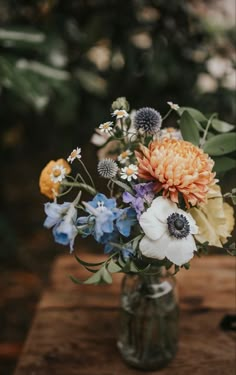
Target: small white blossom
(173, 106)
(124, 156)
(75, 154)
(106, 127)
(129, 173)
(58, 173)
(120, 113)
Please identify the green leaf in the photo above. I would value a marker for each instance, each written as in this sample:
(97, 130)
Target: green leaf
(106, 276)
(223, 164)
(75, 280)
(189, 128)
(87, 264)
(96, 278)
(123, 186)
(197, 115)
(113, 267)
(221, 144)
(222, 126)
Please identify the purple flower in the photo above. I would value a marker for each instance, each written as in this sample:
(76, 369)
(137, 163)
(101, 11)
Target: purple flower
(143, 189)
(144, 194)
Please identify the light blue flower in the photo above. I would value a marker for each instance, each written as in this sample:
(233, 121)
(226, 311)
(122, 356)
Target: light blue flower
(102, 212)
(55, 212)
(126, 219)
(127, 252)
(62, 217)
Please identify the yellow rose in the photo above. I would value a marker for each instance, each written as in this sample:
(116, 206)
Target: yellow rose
(51, 177)
(215, 218)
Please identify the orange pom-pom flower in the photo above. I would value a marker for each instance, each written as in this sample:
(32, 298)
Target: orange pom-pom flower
(178, 167)
(52, 175)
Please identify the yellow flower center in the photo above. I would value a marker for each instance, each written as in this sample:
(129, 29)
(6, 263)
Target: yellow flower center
(57, 173)
(106, 125)
(129, 171)
(120, 113)
(124, 154)
(73, 154)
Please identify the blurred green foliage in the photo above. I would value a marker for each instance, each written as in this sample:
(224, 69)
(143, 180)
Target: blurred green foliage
(63, 62)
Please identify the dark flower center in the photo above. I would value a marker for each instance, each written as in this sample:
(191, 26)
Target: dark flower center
(178, 225)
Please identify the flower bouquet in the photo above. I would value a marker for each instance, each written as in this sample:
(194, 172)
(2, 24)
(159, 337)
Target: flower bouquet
(163, 205)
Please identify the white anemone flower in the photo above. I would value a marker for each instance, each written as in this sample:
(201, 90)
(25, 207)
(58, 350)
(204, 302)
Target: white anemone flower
(168, 232)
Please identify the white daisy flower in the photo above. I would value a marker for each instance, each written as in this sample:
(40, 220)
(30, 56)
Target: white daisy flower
(168, 232)
(58, 173)
(124, 156)
(120, 113)
(129, 173)
(106, 127)
(75, 154)
(173, 106)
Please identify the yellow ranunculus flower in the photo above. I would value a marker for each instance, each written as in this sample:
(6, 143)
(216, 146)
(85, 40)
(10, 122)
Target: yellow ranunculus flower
(215, 219)
(51, 177)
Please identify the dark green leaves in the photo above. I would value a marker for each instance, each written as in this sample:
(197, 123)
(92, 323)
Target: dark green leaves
(194, 113)
(189, 129)
(221, 144)
(223, 164)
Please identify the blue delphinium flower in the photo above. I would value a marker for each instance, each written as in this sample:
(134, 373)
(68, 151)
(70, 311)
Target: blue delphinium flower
(102, 212)
(62, 217)
(126, 219)
(127, 252)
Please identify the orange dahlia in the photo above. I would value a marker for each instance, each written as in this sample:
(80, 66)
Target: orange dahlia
(178, 167)
(51, 177)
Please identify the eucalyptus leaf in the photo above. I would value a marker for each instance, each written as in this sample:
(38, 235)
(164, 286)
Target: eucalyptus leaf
(113, 267)
(87, 264)
(189, 129)
(222, 126)
(197, 115)
(75, 280)
(96, 278)
(221, 144)
(106, 276)
(223, 164)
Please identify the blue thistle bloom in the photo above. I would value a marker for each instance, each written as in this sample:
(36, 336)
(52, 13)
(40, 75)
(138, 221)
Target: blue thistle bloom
(148, 120)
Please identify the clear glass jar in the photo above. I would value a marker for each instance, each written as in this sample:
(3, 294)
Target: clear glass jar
(148, 333)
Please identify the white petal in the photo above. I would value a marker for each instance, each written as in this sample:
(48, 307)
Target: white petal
(163, 207)
(192, 222)
(149, 249)
(180, 251)
(152, 227)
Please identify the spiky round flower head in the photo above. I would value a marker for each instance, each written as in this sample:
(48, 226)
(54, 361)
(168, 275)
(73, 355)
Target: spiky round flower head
(107, 168)
(148, 120)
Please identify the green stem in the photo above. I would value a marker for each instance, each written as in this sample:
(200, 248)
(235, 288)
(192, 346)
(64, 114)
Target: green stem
(206, 130)
(80, 185)
(87, 172)
(167, 114)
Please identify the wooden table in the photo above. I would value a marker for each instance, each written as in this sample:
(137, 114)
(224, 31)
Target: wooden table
(75, 327)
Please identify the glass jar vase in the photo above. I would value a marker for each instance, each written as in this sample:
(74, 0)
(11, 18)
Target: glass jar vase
(148, 332)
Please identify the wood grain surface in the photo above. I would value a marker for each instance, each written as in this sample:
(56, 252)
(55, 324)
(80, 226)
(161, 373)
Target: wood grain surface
(75, 328)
